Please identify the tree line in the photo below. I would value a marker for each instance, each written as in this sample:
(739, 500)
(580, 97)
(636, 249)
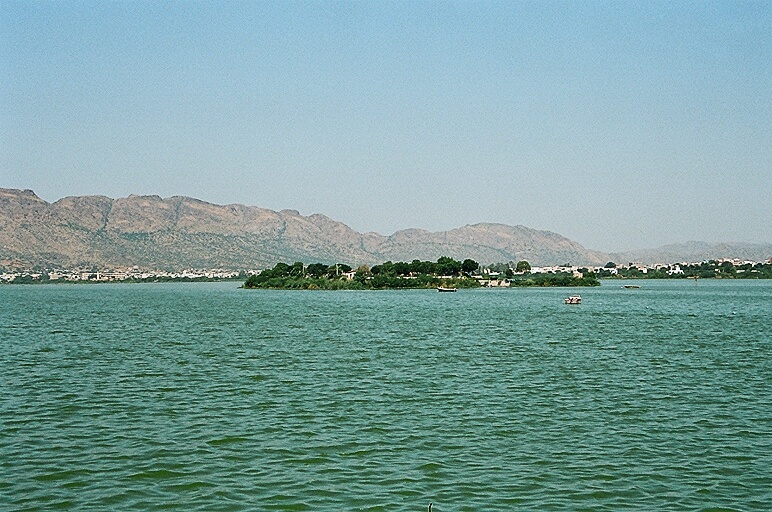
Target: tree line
(446, 272)
(415, 274)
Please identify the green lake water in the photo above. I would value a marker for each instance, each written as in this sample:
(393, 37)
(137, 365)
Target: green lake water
(205, 397)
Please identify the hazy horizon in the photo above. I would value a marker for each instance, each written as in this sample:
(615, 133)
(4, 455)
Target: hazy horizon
(620, 126)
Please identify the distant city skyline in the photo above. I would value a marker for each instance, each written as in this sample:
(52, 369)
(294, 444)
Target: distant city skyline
(618, 125)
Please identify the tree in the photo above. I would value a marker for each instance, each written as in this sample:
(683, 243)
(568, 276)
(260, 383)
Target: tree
(316, 269)
(401, 268)
(633, 272)
(610, 264)
(448, 266)
(727, 268)
(468, 266)
(340, 268)
(252, 281)
(362, 274)
(498, 267)
(385, 268)
(523, 267)
(280, 270)
(422, 267)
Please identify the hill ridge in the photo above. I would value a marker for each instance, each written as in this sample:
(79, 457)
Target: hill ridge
(184, 232)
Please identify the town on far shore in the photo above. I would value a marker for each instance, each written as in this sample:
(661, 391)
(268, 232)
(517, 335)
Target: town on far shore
(492, 275)
(133, 274)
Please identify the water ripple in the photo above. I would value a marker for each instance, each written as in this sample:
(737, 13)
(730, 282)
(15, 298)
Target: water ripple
(205, 397)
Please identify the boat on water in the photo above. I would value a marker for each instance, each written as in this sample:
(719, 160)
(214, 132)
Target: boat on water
(573, 299)
(631, 286)
(444, 289)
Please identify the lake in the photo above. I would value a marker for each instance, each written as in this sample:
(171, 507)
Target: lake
(206, 397)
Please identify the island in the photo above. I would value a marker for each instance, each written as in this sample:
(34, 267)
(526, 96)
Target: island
(445, 273)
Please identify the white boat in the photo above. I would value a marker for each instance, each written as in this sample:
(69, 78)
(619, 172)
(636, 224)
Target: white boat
(573, 299)
(443, 289)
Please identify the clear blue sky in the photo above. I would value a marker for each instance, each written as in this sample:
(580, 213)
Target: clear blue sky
(620, 125)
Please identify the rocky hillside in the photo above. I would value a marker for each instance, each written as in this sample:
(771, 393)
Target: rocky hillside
(181, 232)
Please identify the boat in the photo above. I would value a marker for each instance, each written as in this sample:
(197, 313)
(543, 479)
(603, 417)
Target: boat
(444, 289)
(573, 299)
(631, 286)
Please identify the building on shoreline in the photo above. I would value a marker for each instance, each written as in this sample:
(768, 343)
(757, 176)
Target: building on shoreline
(117, 275)
(723, 267)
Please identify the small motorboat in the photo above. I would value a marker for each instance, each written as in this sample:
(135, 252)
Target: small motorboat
(444, 289)
(631, 286)
(573, 299)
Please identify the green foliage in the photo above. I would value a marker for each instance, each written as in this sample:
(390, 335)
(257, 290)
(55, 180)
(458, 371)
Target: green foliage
(499, 267)
(317, 269)
(422, 267)
(559, 279)
(659, 273)
(448, 266)
(726, 269)
(444, 266)
(341, 268)
(445, 272)
(281, 270)
(388, 275)
(25, 279)
(297, 269)
(523, 267)
(426, 274)
(468, 266)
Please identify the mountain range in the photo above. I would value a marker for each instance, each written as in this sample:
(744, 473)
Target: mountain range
(181, 232)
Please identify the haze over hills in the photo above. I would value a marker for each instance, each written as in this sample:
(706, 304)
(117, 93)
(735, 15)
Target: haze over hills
(182, 232)
(694, 251)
